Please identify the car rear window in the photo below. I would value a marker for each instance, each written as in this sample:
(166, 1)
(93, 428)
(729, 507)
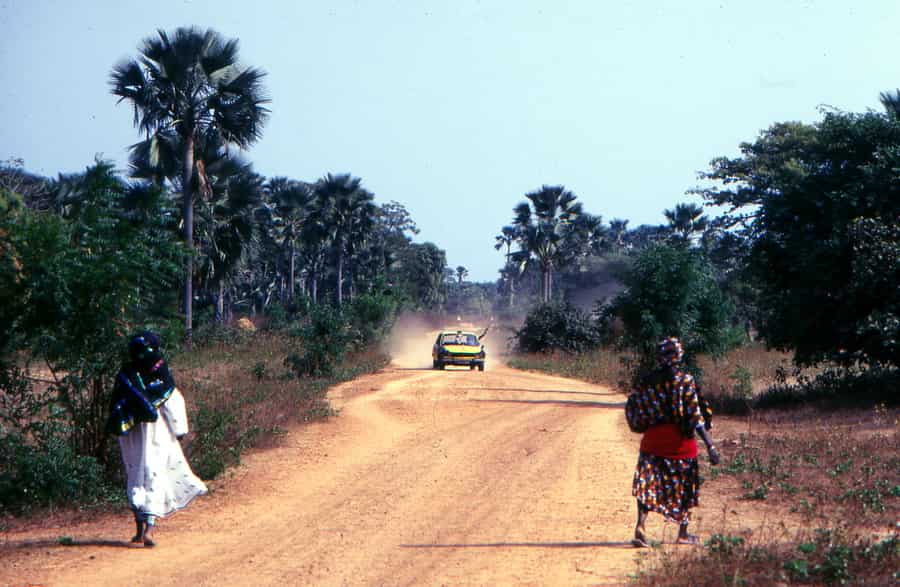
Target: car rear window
(467, 339)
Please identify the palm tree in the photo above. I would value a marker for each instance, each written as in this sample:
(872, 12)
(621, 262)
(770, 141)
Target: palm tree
(461, 273)
(891, 102)
(506, 238)
(544, 229)
(618, 229)
(341, 206)
(185, 90)
(290, 201)
(590, 236)
(686, 220)
(226, 224)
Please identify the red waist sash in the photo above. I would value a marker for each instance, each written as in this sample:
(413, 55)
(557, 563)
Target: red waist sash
(666, 440)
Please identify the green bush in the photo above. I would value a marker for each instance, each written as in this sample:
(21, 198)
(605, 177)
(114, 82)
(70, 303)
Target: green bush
(210, 448)
(851, 387)
(671, 291)
(557, 326)
(47, 473)
(38, 465)
(324, 337)
(371, 317)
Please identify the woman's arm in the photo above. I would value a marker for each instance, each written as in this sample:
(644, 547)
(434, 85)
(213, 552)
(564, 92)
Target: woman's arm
(710, 448)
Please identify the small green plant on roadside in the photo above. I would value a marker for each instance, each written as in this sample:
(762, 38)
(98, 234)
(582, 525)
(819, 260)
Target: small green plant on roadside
(724, 544)
(259, 371)
(760, 493)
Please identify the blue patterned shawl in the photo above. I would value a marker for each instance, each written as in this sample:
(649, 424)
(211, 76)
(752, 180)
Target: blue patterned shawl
(141, 387)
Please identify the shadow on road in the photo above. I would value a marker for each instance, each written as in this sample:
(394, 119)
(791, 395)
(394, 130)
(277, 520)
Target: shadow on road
(27, 544)
(558, 402)
(526, 545)
(545, 391)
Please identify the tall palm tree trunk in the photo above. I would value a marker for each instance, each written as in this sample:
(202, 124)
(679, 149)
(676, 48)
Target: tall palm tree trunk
(351, 282)
(314, 287)
(293, 276)
(187, 202)
(220, 303)
(340, 278)
(545, 284)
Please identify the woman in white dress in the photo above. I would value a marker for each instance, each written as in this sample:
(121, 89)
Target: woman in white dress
(148, 415)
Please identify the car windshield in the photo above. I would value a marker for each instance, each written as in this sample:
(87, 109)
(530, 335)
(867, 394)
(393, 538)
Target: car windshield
(467, 339)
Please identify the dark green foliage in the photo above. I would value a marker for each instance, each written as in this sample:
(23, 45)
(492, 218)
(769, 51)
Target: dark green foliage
(852, 387)
(211, 449)
(371, 317)
(821, 206)
(38, 466)
(82, 282)
(323, 337)
(46, 473)
(419, 273)
(557, 326)
(671, 291)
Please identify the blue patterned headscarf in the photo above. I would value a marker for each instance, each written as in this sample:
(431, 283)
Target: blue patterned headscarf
(142, 386)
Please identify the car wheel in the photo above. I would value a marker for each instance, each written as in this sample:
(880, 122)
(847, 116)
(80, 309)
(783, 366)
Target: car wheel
(481, 366)
(471, 367)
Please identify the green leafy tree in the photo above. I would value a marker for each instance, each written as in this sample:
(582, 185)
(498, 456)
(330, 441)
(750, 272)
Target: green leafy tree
(820, 203)
(83, 283)
(187, 89)
(671, 291)
(420, 275)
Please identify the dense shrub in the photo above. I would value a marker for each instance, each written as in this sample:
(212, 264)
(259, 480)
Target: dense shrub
(837, 386)
(323, 338)
(371, 317)
(45, 473)
(671, 291)
(557, 326)
(38, 465)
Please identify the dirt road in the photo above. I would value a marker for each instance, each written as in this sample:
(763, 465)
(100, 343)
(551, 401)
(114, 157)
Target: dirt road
(426, 477)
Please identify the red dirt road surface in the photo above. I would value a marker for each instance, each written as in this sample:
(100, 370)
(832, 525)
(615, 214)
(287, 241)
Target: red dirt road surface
(425, 477)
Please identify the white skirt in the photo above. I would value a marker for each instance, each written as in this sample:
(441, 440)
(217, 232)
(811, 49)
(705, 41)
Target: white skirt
(160, 480)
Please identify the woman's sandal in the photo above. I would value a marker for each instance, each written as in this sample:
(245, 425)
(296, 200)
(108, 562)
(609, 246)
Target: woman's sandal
(640, 541)
(690, 540)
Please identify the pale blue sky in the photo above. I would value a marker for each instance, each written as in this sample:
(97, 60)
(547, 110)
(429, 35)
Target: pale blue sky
(457, 108)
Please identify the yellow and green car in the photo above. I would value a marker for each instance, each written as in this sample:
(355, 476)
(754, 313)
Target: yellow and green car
(458, 347)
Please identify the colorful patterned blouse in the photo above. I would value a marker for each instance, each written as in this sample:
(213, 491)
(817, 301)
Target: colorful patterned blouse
(666, 398)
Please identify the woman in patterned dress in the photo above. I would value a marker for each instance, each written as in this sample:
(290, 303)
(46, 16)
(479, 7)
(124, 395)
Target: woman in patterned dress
(667, 409)
(149, 417)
